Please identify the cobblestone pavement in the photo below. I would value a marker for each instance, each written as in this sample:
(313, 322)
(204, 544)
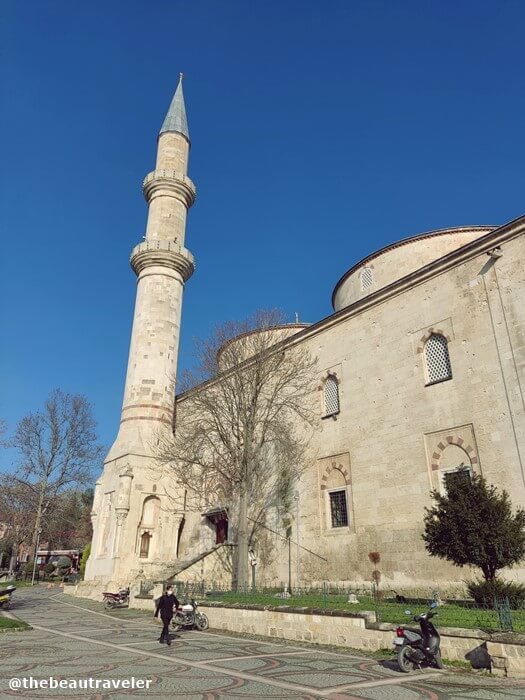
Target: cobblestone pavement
(75, 639)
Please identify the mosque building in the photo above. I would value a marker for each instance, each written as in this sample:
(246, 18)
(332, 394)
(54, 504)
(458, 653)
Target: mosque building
(420, 372)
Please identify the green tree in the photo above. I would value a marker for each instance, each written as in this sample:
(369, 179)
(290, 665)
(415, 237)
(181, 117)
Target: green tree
(85, 557)
(472, 524)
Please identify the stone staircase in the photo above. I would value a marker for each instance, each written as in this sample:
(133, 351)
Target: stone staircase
(177, 567)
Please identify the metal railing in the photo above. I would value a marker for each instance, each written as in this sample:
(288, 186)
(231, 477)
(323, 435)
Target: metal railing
(496, 615)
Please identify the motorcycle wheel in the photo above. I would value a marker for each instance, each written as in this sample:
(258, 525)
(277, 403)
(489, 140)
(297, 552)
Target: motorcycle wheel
(403, 659)
(109, 604)
(176, 627)
(438, 661)
(202, 622)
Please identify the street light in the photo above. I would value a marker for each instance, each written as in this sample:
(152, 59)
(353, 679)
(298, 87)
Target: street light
(39, 532)
(253, 564)
(289, 538)
(298, 574)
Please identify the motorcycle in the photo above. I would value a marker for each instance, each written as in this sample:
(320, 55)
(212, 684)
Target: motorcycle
(5, 597)
(189, 616)
(415, 647)
(116, 600)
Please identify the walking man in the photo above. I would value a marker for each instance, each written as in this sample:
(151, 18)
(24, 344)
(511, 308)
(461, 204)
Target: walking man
(165, 607)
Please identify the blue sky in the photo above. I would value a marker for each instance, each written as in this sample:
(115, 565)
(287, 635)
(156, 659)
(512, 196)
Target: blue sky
(320, 132)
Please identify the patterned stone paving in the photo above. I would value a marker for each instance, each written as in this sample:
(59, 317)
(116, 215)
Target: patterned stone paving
(75, 639)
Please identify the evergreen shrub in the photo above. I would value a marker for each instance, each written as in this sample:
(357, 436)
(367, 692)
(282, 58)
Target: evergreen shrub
(485, 593)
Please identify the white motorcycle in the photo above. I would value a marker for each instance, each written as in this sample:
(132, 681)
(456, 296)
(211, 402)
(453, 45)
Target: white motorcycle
(188, 616)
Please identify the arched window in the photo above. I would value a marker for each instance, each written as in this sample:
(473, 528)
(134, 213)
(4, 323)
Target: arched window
(331, 396)
(437, 359)
(367, 278)
(144, 545)
(148, 527)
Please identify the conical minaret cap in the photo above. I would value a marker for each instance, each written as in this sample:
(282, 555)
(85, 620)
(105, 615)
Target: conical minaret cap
(176, 117)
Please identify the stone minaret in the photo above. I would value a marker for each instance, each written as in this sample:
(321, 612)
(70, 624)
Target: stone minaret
(133, 528)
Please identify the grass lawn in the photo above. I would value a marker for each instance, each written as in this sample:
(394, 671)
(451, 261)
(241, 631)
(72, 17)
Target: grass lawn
(7, 623)
(449, 615)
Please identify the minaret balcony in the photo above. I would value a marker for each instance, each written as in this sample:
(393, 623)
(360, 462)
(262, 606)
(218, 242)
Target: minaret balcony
(160, 253)
(169, 183)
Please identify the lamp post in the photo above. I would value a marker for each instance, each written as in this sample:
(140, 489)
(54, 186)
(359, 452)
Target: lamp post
(289, 538)
(298, 559)
(39, 532)
(253, 564)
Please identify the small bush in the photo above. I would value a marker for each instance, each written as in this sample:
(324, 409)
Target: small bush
(63, 565)
(28, 568)
(484, 593)
(49, 568)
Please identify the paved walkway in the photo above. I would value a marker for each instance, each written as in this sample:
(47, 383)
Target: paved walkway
(75, 639)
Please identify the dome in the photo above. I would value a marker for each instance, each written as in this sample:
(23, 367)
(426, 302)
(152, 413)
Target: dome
(253, 342)
(397, 260)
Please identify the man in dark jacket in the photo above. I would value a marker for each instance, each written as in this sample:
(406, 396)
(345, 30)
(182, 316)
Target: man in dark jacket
(165, 607)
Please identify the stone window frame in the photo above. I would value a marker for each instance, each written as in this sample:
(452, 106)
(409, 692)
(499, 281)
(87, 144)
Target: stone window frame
(473, 467)
(421, 351)
(453, 440)
(334, 376)
(328, 529)
(148, 528)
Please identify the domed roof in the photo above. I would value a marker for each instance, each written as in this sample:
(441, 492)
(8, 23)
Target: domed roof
(396, 260)
(251, 343)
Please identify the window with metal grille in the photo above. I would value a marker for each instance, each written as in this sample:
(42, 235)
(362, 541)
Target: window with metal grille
(338, 509)
(367, 277)
(461, 474)
(331, 396)
(437, 359)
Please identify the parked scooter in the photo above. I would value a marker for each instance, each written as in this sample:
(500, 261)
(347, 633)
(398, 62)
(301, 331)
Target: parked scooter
(188, 616)
(417, 647)
(5, 597)
(116, 600)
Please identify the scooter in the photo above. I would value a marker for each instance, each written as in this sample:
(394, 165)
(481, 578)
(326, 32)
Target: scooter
(116, 600)
(417, 647)
(188, 616)
(5, 597)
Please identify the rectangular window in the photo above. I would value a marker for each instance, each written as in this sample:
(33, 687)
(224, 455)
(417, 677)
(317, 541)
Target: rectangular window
(462, 473)
(331, 396)
(338, 509)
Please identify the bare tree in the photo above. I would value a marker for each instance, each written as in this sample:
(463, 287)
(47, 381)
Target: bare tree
(57, 449)
(17, 514)
(241, 427)
(68, 522)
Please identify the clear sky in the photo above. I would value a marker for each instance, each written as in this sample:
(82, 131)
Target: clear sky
(321, 131)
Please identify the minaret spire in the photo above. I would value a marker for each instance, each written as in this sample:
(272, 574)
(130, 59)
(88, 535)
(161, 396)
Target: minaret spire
(176, 121)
